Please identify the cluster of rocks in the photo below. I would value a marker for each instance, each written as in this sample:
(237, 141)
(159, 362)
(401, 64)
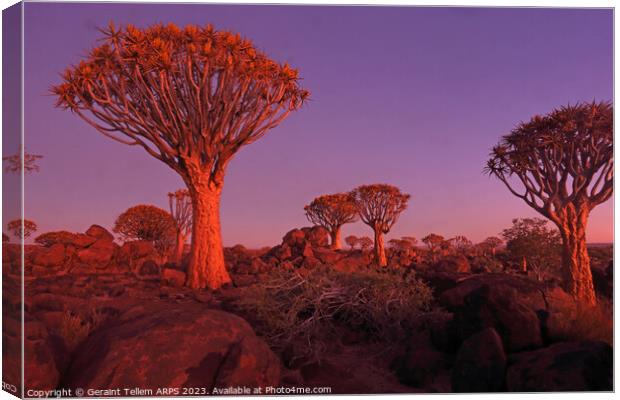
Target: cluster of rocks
(495, 337)
(93, 251)
(301, 250)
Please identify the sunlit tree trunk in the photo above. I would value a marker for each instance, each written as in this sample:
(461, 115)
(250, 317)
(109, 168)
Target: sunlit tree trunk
(575, 258)
(206, 267)
(380, 257)
(336, 243)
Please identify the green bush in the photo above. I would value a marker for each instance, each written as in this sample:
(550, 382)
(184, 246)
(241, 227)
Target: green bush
(309, 309)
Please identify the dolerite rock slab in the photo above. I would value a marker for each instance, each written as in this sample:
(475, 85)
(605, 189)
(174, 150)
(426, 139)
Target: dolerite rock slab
(174, 347)
(568, 366)
(480, 364)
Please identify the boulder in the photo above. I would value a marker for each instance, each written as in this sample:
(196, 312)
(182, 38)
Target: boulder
(99, 233)
(501, 308)
(52, 256)
(568, 366)
(173, 277)
(293, 238)
(353, 261)
(99, 254)
(480, 364)
(420, 365)
(136, 249)
(317, 236)
(190, 346)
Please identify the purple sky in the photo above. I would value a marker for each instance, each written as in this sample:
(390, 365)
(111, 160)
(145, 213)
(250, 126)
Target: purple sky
(414, 97)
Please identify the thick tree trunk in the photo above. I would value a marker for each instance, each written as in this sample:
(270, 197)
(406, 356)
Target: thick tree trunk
(335, 237)
(575, 259)
(180, 246)
(380, 257)
(206, 267)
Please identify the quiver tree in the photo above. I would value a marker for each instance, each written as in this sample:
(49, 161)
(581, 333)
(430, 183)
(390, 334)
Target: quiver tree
(561, 164)
(191, 98)
(14, 162)
(460, 243)
(21, 231)
(379, 207)
(331, 211)
(149, 223)
(180, 204)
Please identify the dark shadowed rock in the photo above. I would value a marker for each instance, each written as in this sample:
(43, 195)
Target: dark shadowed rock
(569, 366)
(174, 347)
(480, 364)
(99, 233)
(501, 308)
(173, 277)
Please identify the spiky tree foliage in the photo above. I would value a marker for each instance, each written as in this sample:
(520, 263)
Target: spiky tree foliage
(379, 207)
(21, 231)
(352, 241)
(190, 97)
(331, 211)
(561, 164)
(180, 203)
(460, 243)
(147, 222)
(14, 162)
(412, 240)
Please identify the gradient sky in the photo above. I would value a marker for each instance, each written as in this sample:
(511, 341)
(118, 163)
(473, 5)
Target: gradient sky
(414, 97)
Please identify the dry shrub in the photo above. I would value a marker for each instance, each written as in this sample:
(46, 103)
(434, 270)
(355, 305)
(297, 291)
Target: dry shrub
(74, 328)
(587, 323)
(49, 239)
(310, 309)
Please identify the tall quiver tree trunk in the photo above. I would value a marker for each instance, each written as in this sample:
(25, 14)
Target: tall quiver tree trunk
(206, 267)
(379, 249)
(575, 259)
(336, 243)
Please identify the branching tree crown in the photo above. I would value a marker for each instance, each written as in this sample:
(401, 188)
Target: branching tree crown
(560, 159)
(14, 162)
(20, 231)
(190, 97)
(180, 204)
(332, 210)
(380, 205)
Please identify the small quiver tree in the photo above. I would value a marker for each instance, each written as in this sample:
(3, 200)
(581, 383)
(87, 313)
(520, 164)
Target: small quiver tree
(561, 164)
(191, 98)
(331, 211)
(379, 207)
(21, 231)
(180, 204)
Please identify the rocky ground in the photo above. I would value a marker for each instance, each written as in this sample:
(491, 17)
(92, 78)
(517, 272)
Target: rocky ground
(99, 315)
